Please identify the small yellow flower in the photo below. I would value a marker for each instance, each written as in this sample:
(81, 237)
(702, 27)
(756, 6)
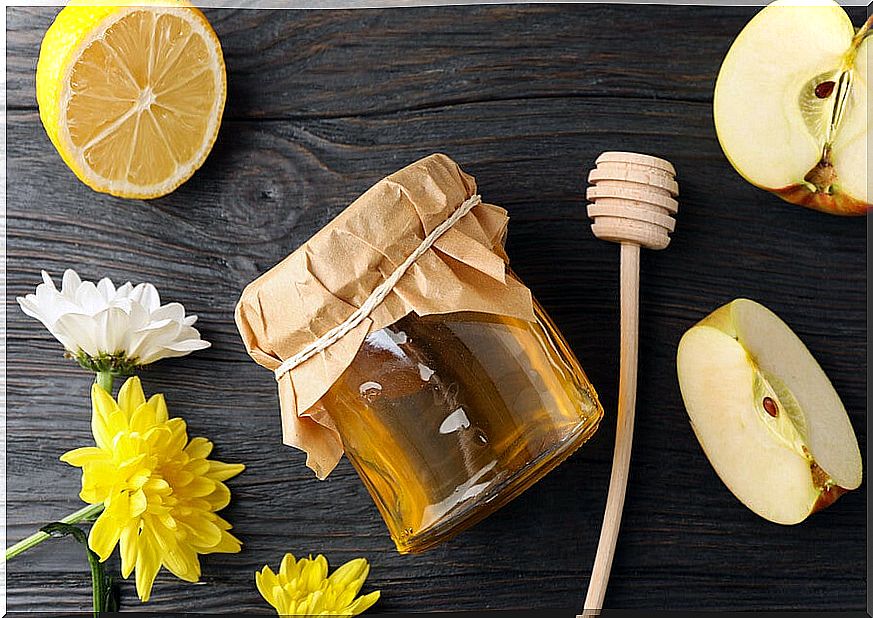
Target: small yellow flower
(160, 492)
(302, 587)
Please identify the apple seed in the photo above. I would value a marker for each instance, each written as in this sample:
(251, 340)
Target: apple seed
(770, 407)
(824, 89)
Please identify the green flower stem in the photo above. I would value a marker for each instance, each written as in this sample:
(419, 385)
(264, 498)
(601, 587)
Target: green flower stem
(103, 591)
(104, 380)
(86, 513)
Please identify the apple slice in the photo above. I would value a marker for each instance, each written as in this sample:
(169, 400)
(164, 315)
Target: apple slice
(790, 105)
(766, 414)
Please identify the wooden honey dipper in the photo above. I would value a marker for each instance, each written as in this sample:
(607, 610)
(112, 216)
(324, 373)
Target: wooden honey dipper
(632, 203)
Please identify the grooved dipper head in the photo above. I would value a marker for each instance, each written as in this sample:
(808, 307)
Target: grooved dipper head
(633, 199)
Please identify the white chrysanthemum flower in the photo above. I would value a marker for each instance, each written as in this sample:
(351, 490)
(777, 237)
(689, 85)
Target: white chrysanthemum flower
(112, 329)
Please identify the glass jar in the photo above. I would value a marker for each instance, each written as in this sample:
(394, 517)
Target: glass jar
(448, 417)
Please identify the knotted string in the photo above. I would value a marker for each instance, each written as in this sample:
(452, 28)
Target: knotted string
(377, 295)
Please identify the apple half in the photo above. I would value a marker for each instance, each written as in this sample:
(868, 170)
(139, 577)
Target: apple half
(766, 415)
(790, 105)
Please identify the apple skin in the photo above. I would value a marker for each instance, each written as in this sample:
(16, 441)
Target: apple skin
(832, 203)
(836, 203)
(829, 493)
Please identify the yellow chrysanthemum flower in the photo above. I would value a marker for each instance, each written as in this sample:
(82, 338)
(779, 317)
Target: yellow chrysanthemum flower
(302, 588)
(160, 492)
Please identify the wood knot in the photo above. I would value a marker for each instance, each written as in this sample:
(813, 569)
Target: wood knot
(633, 199)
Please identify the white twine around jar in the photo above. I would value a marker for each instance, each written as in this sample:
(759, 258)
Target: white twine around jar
(377, 295)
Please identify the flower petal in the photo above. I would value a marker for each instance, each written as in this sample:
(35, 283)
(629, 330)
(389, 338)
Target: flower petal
(89, 298)
(198, 448)
(219, 471)
(350, 571)
(103, 407)
(131, 396)
(314, 573)
(147, 295)
(83, 456)
(179, 558)
(219, 498)
(143, 419)
(70, 283)
(113, 325)
(138, 503)
(199, 487)
(362, 604)
(351, 575)
(47, 279)
(188, 342)
(118, 508)
(98, 480)
(286, 568)
(351, 582)
(106, 289)
(178, 436)
(170, 311)
(77, 332)
(169, 341)
(159, 405)
(203, 532)
(266, 581)
(148, 563)
(228, 544)
(127, 545)
(103, 536)
(31, 307)
(123, 291)
(313, 604)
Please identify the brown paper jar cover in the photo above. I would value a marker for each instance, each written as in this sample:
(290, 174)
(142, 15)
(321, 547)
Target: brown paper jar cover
(327, 278)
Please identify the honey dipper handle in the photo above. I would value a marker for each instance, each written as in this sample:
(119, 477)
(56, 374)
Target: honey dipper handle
(627, 395)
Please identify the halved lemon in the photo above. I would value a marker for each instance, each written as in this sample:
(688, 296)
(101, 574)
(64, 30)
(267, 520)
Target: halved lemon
(131, 96)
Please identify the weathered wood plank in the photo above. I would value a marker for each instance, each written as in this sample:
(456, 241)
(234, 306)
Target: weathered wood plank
(524, 98)
(308, 63)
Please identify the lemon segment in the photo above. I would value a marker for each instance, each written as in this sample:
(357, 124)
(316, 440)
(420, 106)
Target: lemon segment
(131, 96)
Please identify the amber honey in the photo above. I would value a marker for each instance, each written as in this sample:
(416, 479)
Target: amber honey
(448, 417)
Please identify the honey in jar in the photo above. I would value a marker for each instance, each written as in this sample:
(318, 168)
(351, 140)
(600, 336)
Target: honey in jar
(448, 417)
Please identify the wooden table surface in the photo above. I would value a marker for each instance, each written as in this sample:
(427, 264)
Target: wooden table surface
(322, 104)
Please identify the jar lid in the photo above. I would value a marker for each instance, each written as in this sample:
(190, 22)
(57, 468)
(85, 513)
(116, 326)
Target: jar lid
(326, 280)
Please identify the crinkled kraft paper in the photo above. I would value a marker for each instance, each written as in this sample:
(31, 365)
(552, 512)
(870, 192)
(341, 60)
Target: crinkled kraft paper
(319, 285)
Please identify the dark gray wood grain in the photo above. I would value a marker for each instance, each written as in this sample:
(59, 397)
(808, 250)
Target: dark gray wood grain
(323, 104)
